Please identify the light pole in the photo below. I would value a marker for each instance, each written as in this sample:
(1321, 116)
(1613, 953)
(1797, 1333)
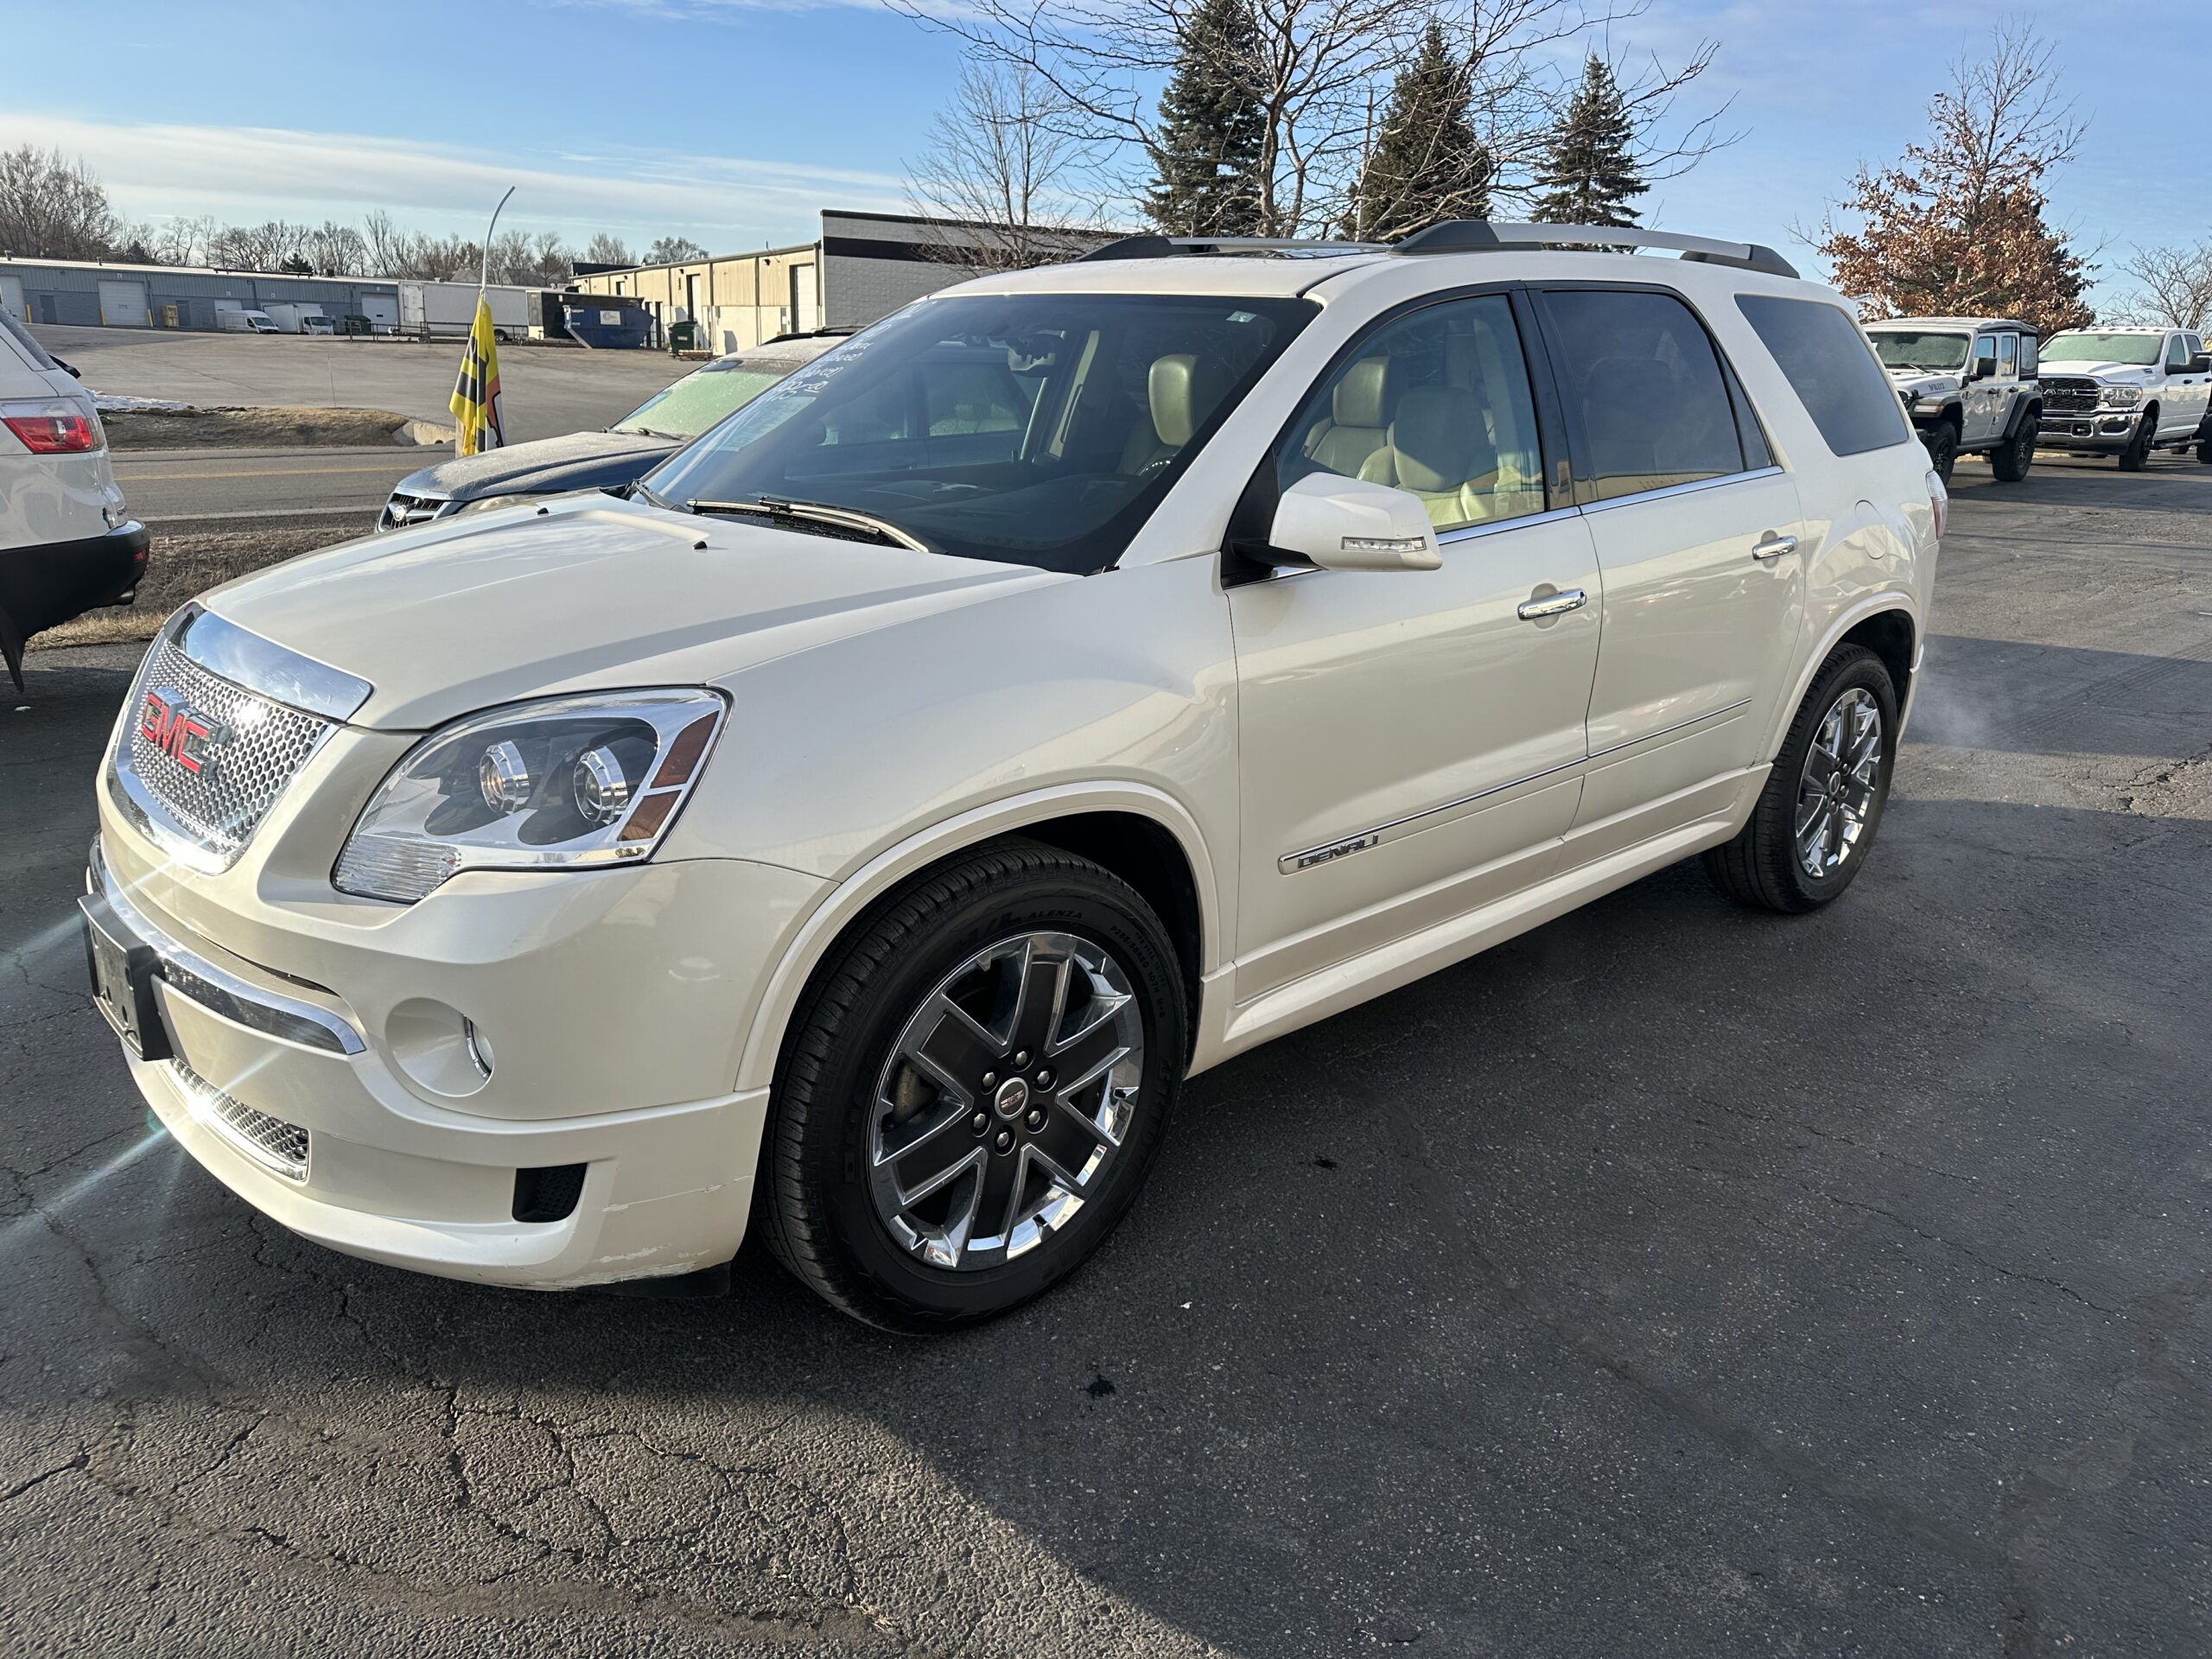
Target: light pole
(484, 271)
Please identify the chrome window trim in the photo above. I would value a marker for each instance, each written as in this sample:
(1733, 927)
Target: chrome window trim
(1694, 484)
(269, 670)
(1492, 526)
(186, 973)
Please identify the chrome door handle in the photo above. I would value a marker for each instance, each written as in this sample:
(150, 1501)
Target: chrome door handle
(1534, 610)
(1773, 547)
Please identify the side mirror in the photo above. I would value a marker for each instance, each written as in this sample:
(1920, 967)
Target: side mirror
(1349, 523)
(2200, 364)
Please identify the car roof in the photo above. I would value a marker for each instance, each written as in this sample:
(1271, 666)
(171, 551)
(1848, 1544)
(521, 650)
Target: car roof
(1331, 276)
(2127, 328)
(1953, 322)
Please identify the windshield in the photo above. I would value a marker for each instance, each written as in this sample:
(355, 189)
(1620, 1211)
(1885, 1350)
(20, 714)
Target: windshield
(703, 397)
(1035, 428)
(2103, 349)
(1910, 348)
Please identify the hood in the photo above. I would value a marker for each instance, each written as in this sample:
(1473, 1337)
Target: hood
(2126, 374)
(1922, 380)
(580, 460)
(582, 594)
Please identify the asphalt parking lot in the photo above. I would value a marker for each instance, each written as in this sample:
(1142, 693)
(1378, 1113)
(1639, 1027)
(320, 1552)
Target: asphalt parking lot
(1673, 1281)
(547, 390)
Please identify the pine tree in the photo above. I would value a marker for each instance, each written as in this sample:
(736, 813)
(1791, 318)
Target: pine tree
(1590, 176)
(1426, 164)
(1207, 156)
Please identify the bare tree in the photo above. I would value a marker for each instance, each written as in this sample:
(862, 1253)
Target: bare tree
(999, 170)
(336, 250)
(605, 249)
(674, 250)
(258, 247)
(1317, 67)
(2176, 290)
(54, 208)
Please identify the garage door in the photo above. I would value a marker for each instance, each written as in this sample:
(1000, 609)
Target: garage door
(381, 309)
(11, 296)
(123, 305)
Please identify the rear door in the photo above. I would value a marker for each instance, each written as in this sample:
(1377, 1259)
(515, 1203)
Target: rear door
(1697, 533)
(2183, 399)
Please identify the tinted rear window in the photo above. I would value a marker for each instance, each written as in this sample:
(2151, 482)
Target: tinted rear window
(1822, 351)
(21, 336)
(1646, 399)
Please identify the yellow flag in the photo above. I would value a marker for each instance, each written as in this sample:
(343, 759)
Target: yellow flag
(475, 401)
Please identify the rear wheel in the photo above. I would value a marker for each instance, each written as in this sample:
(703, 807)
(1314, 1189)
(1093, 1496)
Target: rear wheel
(974, 1090)
(1943, 442)
(2010, 460)
(1817, 816)
(2137, 455)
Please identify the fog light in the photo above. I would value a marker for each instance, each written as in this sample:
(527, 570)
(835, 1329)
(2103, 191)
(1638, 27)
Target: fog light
(438, 1048)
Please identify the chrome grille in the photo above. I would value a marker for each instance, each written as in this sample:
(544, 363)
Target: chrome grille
(404, 510)
(269, 1141)
(2068, 395)
(253, 749)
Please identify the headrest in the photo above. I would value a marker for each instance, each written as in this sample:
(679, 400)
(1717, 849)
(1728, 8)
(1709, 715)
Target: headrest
(1182, 391)
(1438, 439)
(1357, 400)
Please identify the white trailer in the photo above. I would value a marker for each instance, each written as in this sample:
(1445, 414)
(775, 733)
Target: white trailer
(430, 309)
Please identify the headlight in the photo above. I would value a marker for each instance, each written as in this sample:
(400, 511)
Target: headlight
(1910, 398)
(570, 783)
(491, 502)
(2123, 397)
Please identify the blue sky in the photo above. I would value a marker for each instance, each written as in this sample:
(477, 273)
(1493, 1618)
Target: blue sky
(734, 123)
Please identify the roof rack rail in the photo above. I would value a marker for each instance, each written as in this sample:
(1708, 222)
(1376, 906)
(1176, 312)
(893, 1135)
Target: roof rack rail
(1150, 246)
(1481, 236)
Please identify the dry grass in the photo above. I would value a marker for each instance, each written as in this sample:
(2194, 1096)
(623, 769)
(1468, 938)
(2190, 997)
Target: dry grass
(270, 428)
(183, 566)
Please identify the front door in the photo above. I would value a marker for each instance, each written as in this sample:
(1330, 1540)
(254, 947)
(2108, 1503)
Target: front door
(1700, 540)
(1983, 394)
(1411, 742)
(2183, 399)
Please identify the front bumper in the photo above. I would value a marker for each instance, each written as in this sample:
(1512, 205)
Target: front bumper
(613, 1005)
(2101, 429)
(51, 582)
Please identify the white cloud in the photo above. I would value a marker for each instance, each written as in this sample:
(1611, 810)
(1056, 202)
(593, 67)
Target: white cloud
(251, 174)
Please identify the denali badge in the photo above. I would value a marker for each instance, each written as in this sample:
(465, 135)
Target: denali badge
(179, 730)
(1294, 862)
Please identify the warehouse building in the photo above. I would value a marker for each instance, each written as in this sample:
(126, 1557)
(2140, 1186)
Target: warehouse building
(90, 294)
(863, 266)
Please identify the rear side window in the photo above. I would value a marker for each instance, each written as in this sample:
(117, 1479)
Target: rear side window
(1647, 402)
(1825, 360)
(21, 336)
(2028, 360)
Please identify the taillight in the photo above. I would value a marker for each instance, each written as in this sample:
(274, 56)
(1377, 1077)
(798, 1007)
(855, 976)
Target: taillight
(61, 426)
(1939, 503)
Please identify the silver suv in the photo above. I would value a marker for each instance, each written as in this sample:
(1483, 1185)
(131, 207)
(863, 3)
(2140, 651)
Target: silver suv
(1969, 384)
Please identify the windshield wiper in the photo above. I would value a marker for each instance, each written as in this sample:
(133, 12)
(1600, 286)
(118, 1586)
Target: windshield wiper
(819, 513)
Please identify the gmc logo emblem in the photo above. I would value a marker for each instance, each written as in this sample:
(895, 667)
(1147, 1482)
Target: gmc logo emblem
(178, 730)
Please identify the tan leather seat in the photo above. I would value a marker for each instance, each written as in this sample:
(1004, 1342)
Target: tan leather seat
(1439, 450)
(1181, 392)
(1357, 424)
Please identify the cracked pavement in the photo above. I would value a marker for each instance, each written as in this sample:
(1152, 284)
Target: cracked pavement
(1672, 1280)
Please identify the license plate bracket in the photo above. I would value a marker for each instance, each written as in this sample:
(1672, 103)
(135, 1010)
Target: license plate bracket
(123, 970)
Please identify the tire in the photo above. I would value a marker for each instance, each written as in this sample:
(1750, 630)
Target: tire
(2204, 450)
(882, 1237)
(2010, 460)
(1765, 866)
(1943, 442)
(2137, 455)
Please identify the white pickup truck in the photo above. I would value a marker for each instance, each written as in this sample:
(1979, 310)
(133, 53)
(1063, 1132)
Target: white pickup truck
(2127, 391)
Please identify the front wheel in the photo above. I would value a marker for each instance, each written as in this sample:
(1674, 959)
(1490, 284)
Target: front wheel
(2010, 460)
(2204, 449)
(973, 1089)
(1943, 442)
(1816, 818)
(2137, 455)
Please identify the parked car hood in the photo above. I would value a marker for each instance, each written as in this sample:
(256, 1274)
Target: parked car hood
(583, 594)
(579, 461)
(1923, 381)
(2127, 374)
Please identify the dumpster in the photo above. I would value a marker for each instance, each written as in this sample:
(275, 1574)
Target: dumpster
(682, 337)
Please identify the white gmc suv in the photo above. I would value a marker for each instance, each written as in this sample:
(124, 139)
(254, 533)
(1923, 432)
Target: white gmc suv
(1070, 682)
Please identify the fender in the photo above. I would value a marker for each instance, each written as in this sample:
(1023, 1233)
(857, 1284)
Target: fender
(2022, 408)
(863, 886)
(1888, 599)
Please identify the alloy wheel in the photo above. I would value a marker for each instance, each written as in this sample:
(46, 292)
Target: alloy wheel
(1005, 1101)
(1836, 790)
